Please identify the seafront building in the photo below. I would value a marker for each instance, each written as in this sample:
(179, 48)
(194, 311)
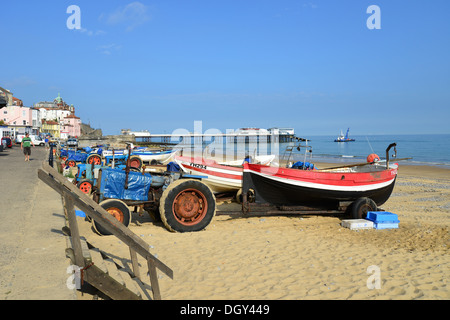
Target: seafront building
(56, 117)
(70, 127)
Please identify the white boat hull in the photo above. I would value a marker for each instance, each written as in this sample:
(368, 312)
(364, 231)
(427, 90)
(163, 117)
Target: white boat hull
(163, 157)
(220, 178)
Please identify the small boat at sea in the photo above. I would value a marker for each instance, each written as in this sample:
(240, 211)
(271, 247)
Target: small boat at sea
(325, 189)
(342, 138)
(221, 176)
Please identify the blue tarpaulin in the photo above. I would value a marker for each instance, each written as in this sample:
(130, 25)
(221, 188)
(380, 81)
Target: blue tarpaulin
(74, 155)
(172, 166)
(113, 185)
(303, 165)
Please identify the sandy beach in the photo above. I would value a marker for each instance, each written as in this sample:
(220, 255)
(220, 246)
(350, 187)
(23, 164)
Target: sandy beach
(308, 256)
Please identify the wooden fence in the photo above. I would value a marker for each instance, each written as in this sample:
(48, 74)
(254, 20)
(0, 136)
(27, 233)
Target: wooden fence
(73, 197)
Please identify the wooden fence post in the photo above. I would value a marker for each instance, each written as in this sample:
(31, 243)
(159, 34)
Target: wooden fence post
(154, 279)
(135, 264)
(69, 210)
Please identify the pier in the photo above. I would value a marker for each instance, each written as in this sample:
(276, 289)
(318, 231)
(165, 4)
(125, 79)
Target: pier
(243, 135)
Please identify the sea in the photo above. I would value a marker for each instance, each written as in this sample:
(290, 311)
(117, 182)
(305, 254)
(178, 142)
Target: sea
(419, 149)
(428, 149)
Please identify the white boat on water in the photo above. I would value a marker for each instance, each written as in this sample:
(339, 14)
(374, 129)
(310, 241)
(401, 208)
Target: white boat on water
(221, 176)
(342, 138)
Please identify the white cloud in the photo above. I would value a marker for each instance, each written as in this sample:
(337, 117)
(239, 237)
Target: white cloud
(131, 16)
(310, 5)
(109, 48)
(92, 33)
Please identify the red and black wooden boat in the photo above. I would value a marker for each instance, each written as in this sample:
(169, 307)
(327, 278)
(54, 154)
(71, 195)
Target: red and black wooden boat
(362, 187)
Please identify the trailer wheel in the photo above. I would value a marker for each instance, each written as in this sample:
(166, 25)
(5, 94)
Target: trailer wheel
(85, 186)
(118, 209)
(136, 162)
(187, 205)
(361, 206)
(238, 196)
(94, 159)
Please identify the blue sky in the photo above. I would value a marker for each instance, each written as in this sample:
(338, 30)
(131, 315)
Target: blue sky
(161, 65)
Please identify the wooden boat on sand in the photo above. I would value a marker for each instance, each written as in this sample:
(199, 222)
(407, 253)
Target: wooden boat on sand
(221, 176)
(361, 187)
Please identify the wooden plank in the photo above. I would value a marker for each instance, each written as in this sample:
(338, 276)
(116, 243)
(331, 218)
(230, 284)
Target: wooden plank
(131, 281)
(154, 280)
(85, 249)
(95, 211)
(69, 210)
(135, 264)
(103, 282)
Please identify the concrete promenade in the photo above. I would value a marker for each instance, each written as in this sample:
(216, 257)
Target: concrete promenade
(33, 264)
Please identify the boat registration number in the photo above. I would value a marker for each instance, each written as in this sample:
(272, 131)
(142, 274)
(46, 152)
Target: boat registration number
(199, 166)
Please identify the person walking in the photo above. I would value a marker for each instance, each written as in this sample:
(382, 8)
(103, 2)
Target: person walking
(26, 146)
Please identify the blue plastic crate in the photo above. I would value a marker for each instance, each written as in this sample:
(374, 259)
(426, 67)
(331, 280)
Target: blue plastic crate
(382, 217)
(386, 225)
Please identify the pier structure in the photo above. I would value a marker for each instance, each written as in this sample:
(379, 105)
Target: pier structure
(243, 135)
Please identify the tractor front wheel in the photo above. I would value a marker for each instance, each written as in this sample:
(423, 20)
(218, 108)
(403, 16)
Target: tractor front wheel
(118, 209)
(85, 186)
(71, 163)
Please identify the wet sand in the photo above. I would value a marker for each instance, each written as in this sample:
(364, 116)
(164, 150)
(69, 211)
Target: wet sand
(308, 256)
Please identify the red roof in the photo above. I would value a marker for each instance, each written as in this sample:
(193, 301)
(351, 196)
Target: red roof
(72, 116)
(49, 122)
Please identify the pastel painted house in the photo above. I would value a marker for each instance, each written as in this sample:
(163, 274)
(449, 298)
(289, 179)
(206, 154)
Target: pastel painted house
(70, 127)
(21, 119)
(52, 127)
(16, 115)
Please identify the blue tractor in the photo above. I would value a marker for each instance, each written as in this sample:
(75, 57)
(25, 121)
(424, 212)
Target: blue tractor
(182, 202)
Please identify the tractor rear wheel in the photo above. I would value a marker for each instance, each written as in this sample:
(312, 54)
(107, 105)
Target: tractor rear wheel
(118, 209)
(136, 162)
(187, 205)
